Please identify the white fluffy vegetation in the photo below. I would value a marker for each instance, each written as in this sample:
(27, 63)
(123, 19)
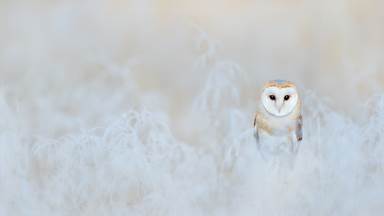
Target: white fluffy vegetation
(92, 123)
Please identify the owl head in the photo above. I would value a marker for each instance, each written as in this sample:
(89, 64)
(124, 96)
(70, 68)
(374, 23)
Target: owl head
(280, 97)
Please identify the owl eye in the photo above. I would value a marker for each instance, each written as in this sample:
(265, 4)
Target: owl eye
(286, 97)
(272, 97)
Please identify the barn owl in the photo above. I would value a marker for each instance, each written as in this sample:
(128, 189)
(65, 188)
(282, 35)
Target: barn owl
(279, 115)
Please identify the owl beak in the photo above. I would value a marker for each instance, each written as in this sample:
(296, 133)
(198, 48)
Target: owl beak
(279, 106)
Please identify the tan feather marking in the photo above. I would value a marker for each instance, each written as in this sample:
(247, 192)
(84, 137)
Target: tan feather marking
(276, 84)
(262, 123)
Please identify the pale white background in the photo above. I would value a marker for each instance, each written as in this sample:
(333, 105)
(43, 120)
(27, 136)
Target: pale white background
(146, 107)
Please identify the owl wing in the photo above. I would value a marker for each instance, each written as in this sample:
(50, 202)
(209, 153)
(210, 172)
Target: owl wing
(256, 132)
(299, 128)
